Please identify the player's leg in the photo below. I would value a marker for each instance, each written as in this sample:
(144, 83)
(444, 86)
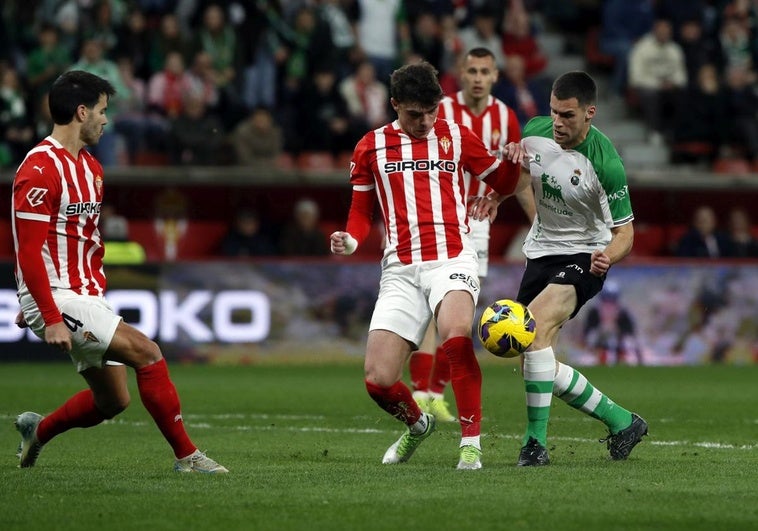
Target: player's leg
(438, 381)
(625, 428)
(159, 396)
(421, 365)
(386, 355)
(551, 308)
(454, 317)
(106, 397)
(399, 321)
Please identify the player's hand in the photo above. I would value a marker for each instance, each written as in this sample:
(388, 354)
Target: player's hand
(599, 263)
(513, 152)
(58, 336)
(342, 243)
(482, 207)
(21, 320)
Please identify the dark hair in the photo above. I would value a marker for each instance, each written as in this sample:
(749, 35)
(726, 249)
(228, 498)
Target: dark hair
(76, 88)
(480, 51)
(577, 85)
(416, 83)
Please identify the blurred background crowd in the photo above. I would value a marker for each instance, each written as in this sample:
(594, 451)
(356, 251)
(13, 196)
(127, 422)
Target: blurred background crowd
(293, 84)
(208, 82)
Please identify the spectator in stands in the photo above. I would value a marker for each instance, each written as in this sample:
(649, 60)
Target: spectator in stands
(310, 48)
(703, 239)
(203, 83)
(735, 41)
(527, 98)
(744, 244)
(741, 93)
(698, 49)
(167, 88)
(483, 34)
(340, 16)
(133, 41)
(257, 139)
(93, 60)
(384, 36)
(704, 122)
(623, 23)
(196, 135)
(16, 126)
(366, 97)
(658, 74)
(302, 235)
(217, 38)
(262, 50)
(324, 121)
(132, 121)
(518, 39)
(246, 237)
(426, 39)
(47, 61)
(168, 38)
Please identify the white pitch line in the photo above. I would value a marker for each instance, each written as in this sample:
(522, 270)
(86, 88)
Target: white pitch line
(195, 421)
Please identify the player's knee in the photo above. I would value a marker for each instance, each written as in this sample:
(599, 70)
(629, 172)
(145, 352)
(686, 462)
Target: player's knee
(114, 405)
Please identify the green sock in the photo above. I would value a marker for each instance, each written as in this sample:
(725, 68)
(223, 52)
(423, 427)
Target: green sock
(573, 388)
(539, 372)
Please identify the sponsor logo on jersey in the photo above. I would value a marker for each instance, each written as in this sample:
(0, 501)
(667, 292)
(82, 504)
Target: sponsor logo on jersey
(495, 136)
(551, 190)
(421, 165)
(35, 196)
(38, 168)
(619, 194)
(99, 184)
(75, 209)
(445, 143)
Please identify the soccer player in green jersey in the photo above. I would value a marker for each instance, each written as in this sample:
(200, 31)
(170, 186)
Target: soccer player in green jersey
(583, 227)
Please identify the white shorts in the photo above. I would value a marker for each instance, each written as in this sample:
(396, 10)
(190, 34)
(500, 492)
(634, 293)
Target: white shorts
(90, 319)
(480, 238)
(409, 294)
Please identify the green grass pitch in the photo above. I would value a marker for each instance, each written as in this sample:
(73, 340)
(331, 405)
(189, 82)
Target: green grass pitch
(304, 444)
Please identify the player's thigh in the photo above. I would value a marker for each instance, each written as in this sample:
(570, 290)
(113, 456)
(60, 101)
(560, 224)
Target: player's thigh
(386, 355)
(446, 276)
(109, 387)
(455, 314)
(553, 307)
(401, 306)
(132, 347)
(429, 343)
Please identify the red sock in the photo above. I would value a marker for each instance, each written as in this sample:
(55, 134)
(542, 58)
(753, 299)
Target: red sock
(395, 400)
(467, 383)
(159, 396)
(79, 411)
(440, 372)
(420, 368)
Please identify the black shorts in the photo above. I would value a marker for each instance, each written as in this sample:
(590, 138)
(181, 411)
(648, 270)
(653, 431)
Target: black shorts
(572, 269)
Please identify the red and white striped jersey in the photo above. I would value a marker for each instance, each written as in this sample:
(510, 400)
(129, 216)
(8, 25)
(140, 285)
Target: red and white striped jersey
(63, 193)
(419, 185)
(496, 126)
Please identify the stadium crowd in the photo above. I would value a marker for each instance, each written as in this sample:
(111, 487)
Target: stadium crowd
(203, 82)
(298, 82)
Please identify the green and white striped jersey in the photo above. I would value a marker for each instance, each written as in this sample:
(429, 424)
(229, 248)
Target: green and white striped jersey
(580, 193)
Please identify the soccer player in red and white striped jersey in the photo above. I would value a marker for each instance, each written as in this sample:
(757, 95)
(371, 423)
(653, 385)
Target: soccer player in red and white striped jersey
(415, 168)
(57, 195)
(496, 125)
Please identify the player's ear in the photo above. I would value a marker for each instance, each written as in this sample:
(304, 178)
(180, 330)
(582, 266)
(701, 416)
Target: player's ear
(81, 112)
(589, 114)
(394, 103)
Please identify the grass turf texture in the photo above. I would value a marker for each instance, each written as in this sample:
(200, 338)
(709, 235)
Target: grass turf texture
(304, 446)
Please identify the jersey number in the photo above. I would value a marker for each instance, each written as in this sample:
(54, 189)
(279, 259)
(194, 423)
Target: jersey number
(71, 323)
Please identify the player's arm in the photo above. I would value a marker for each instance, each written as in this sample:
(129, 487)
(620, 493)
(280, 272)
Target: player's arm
(486, 207)
(32, 212)
(622, 238)
(361, 206)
